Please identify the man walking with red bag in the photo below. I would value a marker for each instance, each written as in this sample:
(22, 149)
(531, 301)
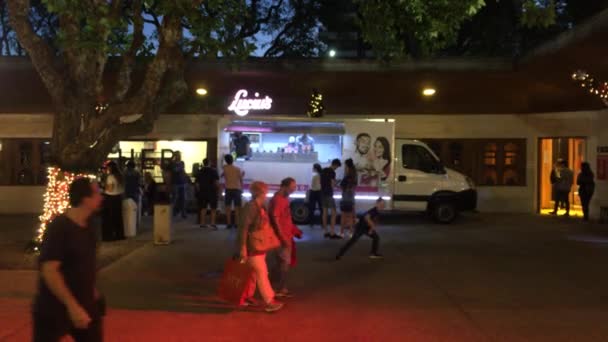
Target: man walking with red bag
(280, 218)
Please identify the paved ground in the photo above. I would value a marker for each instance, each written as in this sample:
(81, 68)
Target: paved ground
(486, 278)
(17, 231)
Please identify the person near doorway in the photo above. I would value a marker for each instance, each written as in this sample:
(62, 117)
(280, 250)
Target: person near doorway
(233, 177)
(586, 187)
(328, 183)
(67, 301)
(314, 194)
(366, 226)
(563, 187)
(207, 192)
(554, 178)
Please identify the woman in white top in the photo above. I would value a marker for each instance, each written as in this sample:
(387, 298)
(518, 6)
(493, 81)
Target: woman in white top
(111, 218)
(314, 193)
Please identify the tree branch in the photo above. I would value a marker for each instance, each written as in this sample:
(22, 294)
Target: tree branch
(40, 53)
(128, 60)
(168, 54)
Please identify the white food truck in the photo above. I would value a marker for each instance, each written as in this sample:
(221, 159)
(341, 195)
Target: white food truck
(406, 173)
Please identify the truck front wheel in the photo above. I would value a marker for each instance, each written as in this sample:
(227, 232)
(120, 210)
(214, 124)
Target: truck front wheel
(299, 212)
(444, 212)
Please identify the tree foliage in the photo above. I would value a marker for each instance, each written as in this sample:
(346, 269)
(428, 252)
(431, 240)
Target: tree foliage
(397, 28)
(112, 66)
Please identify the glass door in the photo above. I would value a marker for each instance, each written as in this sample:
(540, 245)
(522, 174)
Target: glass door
(571, 150)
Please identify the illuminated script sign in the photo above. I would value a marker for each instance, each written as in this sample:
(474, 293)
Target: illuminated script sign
(241, 104)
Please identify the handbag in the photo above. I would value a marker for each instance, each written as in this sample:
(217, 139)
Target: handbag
(236, 282)
(262, 237)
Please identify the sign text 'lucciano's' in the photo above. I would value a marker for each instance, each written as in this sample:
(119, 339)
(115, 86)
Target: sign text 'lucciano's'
(241, 104)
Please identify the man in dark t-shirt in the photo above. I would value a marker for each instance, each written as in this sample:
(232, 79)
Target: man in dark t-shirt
(67, 301)
(179, 181)
(328, 183)
(241, 144)
(207, 192)
(366, 226)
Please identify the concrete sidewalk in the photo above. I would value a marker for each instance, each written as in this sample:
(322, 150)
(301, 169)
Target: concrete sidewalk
(486, 278)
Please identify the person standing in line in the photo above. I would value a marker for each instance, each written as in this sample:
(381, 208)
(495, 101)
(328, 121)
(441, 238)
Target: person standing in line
(132, 194)
(347, 204)
(285, 229)
(207, 191)
(314, 194)
(366, 226)
(233, 179)
(256, 218)
(328, 183)
(67, 301)
(112, 227)
(150, 193)
(132, 182)
(586, 187)
(563, 187)
(179, 181)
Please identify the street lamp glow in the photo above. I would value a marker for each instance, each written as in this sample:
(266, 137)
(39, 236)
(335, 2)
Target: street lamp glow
(332, 53)
(201, 91)
(428, 91)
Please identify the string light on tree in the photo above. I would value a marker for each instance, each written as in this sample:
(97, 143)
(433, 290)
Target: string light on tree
(316, 108)
(101, 107)
(592, 85)
(56, 198)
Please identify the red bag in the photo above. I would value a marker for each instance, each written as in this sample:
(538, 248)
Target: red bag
(236, 282)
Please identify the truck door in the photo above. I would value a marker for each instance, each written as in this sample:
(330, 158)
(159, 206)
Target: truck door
(418, 174)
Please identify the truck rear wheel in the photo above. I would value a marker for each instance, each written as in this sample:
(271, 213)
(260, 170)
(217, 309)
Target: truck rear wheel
(444, 212)
(299, 212)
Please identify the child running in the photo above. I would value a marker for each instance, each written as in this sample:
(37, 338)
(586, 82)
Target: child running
(366, 226)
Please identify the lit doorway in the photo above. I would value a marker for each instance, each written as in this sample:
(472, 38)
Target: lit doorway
(552, 149)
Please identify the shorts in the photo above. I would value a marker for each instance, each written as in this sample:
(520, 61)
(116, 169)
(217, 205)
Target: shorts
(233, 196)
(328, 202)
(207, 200)
(347, 206)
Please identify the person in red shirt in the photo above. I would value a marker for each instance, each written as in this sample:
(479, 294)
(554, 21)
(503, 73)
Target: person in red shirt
(286, 230)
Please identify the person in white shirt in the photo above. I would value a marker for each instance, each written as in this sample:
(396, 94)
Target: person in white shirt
(113, 190)
(233, 181)
(314, 194)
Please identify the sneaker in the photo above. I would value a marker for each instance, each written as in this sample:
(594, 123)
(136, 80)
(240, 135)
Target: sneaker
(274, 306)
(251, 302)
(213, 227)
(283, 294)
(376, 256)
